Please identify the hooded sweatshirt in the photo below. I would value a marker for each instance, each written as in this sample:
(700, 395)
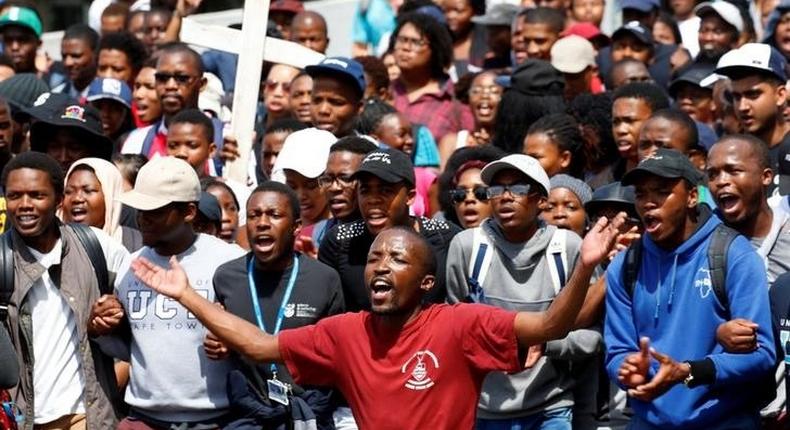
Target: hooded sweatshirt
(519, 279)
(673, 304)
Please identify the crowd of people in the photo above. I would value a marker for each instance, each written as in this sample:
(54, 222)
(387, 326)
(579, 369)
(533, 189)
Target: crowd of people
(492, 214)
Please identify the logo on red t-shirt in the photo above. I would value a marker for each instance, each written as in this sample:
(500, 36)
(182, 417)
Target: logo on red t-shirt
(422, 365)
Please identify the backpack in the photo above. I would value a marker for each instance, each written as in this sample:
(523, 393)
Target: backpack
(103, 363)
(482, 252)
(717, 264)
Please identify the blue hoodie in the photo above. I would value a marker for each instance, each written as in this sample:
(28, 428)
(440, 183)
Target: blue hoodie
(674, 305)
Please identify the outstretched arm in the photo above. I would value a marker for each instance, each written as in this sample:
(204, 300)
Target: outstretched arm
(236, 333)
(555, 323)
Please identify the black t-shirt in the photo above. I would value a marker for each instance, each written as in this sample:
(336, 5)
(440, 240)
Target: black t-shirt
(345, 248)
(316, 295)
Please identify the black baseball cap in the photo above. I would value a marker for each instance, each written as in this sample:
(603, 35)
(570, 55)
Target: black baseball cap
(665, 163)
(537, 78)
(692, 74)
(52, 111)
(390, 166)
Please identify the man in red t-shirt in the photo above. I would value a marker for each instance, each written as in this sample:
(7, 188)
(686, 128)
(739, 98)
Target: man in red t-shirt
(403, 364)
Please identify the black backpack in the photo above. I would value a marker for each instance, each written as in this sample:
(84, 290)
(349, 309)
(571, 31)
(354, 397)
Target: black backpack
(717, 263)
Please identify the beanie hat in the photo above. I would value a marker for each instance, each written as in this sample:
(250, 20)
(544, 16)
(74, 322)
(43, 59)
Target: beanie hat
(21, 90)
(578, 187)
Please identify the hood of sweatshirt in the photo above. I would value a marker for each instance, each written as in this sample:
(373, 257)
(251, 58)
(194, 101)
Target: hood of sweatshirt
(522, 255)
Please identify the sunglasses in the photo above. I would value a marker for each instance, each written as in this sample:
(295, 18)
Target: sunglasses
(516, 190)
(164, 78)
(459, 194)
(272, 85)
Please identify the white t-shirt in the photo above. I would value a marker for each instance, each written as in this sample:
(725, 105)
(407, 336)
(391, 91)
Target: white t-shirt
(58, 381)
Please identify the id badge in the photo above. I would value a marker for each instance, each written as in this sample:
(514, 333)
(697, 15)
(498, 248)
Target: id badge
(278, 391)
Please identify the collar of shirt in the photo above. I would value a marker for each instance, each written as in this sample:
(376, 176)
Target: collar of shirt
(445, 92)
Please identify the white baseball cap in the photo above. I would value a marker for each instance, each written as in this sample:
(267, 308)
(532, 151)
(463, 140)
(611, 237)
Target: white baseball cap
(162, 181)
(725, 10)
(524, 164)
(572, 54)
(304, 151)
(753, 57)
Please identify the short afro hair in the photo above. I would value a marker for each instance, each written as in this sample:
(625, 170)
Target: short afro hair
(82, 32)
(278, 187)
(681, 120)
(195, 117)
(761, 151)
(650, 93)
(376, 71)
(128, 44)
(288, 125)
(545, 15)
(429, 261)
(354, 144)
(36, 161)
(181, 48)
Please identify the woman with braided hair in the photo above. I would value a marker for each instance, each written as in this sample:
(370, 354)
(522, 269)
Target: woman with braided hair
(555, 141)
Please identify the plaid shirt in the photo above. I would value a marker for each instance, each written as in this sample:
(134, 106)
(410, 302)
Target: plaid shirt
(440, 112)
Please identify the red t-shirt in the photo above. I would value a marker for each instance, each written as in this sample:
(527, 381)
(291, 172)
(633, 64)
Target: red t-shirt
(425, 376)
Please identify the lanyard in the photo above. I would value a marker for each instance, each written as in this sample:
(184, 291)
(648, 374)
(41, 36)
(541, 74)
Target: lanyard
(280, 313)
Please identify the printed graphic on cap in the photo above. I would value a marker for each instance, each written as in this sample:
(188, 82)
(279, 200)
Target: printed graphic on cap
(381, 157)
(340, 63)
(74, 112)
(111, 86)
(41, 99)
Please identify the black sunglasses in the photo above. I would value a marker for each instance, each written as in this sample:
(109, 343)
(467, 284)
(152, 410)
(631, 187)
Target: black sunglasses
(459, 194)
(164, 78)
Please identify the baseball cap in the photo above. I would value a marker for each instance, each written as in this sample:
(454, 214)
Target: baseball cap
(52, 111)
(784, 169)
(693, 74)
(588, 31)
(752, 57)
(22, 90)
(162, 181)
(112, 89)
(724, 9)
(635, 28)
(498, 14)
(390, 166)
(342, 67)
(665, 163)
(524, 164)
(304, 151)
(572, 54)
(23, 17)
(291, 6)
(640, 5)
(537, 77)
(208, 205)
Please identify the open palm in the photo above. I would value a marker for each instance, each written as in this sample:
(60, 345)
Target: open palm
(601, 239)
(170, 282)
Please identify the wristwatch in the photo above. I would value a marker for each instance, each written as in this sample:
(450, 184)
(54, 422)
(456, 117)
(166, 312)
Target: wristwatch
(689, 379)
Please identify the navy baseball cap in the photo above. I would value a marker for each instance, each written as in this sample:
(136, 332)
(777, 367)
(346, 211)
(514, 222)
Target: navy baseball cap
(342, 67)
(665, 163)
(112, 89)
(642, 33)
(640, 5)
(750, 58)
(692, 74)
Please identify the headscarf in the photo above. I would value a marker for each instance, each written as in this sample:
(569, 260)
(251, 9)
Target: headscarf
(112, 186)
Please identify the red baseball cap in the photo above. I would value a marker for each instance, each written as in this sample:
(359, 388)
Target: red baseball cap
(588, 31)
(292, 6)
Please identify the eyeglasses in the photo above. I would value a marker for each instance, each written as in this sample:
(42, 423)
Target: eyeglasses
(408, 41)
(516, 190)
(326, 181)
(459, 194)
(493, 90)
(164, 78)
(272, 85)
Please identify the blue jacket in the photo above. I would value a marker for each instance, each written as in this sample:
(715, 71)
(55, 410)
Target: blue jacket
(674, 305)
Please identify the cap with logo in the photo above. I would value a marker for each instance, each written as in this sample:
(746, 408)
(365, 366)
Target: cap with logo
(305, 152)
(162, 181)
(499, 14)
(750, 58)
(391, 166)
(53, 111)
(524, 164)
(110, 89)
(640, 5)
(724, 10)
(342, 67)
(572, 54)
(636, 29)
(22, 17)
(784, 169)
(665, 163)
(537, 78)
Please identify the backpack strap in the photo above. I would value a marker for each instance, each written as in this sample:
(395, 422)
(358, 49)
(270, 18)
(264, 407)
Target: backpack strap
(633, 259)
(717, 261)
(557, 257)
(479, 264)
(94, 250)
(148, 140)
(7, 275)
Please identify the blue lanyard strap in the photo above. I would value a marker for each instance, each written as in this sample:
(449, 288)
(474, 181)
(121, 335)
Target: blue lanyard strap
(281, 312)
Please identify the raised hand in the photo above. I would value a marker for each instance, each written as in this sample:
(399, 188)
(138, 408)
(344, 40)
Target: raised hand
(738, 335)
(106, 314)
(601, 239)
(230, 149)
(670, 372)
(172, 282)
(633, 370)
